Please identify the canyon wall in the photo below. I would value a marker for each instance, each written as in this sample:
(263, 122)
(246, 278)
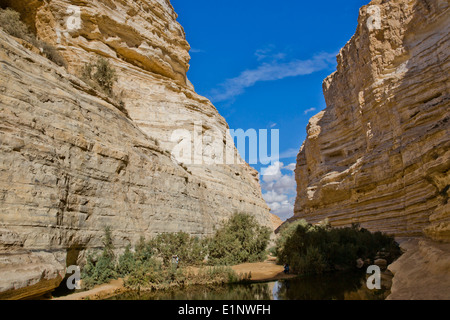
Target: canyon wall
(74, 160)
(379, 154)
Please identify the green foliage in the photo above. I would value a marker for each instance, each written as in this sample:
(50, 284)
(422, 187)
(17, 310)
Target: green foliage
(150, 265)
(312, 262)
(190, 250)
(100, 75)
(240, 240)
(127, 262)
(11, 24)
(100, 269)
(286, 231)
(219, 274)
(146, 273)
(316, 249)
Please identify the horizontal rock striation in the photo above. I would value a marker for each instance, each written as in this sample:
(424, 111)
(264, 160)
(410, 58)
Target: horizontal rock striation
(379, 154)
(74, 160)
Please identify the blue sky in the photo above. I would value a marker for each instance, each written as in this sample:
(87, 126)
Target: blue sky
(262, 64)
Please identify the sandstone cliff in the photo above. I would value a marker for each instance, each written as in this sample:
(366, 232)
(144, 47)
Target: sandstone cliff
(379, 154)
(73, 160)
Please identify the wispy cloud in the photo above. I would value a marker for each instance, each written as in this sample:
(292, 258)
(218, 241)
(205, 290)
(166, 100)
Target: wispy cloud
(271, 71)
(309, 110)
(268, 53)
(194, 50)
(289, 153)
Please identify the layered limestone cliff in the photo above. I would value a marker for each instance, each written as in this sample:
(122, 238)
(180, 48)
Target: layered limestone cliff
(74, 160)
(379, 154)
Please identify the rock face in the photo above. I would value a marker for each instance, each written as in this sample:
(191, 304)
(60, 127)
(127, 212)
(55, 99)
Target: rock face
(379, 154)
(74, 160)
(422, 272)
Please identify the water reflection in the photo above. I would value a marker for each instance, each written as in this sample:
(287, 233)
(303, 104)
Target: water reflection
(336, 286)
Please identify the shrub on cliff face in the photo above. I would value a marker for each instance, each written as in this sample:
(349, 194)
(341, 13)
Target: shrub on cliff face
(11, 24)
(100, 75)
(240, 240)
(316, 249)
(51, 53)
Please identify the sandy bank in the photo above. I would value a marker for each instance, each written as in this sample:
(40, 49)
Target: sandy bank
(263, 271)
(98, 293)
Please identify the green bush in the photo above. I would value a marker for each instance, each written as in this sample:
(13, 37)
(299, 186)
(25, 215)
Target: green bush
(240, 240)
(100, 75)
(146, 273)
(286, 231)
(126, 263)
(316, 249)
(190, 250)
(219, 274)
(101, 269)
(312, 262)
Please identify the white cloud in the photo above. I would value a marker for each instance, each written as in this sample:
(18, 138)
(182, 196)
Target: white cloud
(194, 50)
(272, 172)
(284, 210)
(268, 53)
(272, 196)
(279, 189)
(270, 71)
(310, 110)
(290, 166)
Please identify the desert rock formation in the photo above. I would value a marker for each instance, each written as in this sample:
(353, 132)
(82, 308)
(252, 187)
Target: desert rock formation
(379, 154)
(74, 160)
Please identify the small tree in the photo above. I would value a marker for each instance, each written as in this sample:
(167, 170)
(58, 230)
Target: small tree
(127, 262)
(101, 269)
(240, 240)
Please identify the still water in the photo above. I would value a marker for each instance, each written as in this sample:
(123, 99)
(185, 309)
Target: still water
(336, 286)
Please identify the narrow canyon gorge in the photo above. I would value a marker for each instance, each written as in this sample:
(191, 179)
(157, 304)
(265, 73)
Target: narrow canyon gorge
(74, 160)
